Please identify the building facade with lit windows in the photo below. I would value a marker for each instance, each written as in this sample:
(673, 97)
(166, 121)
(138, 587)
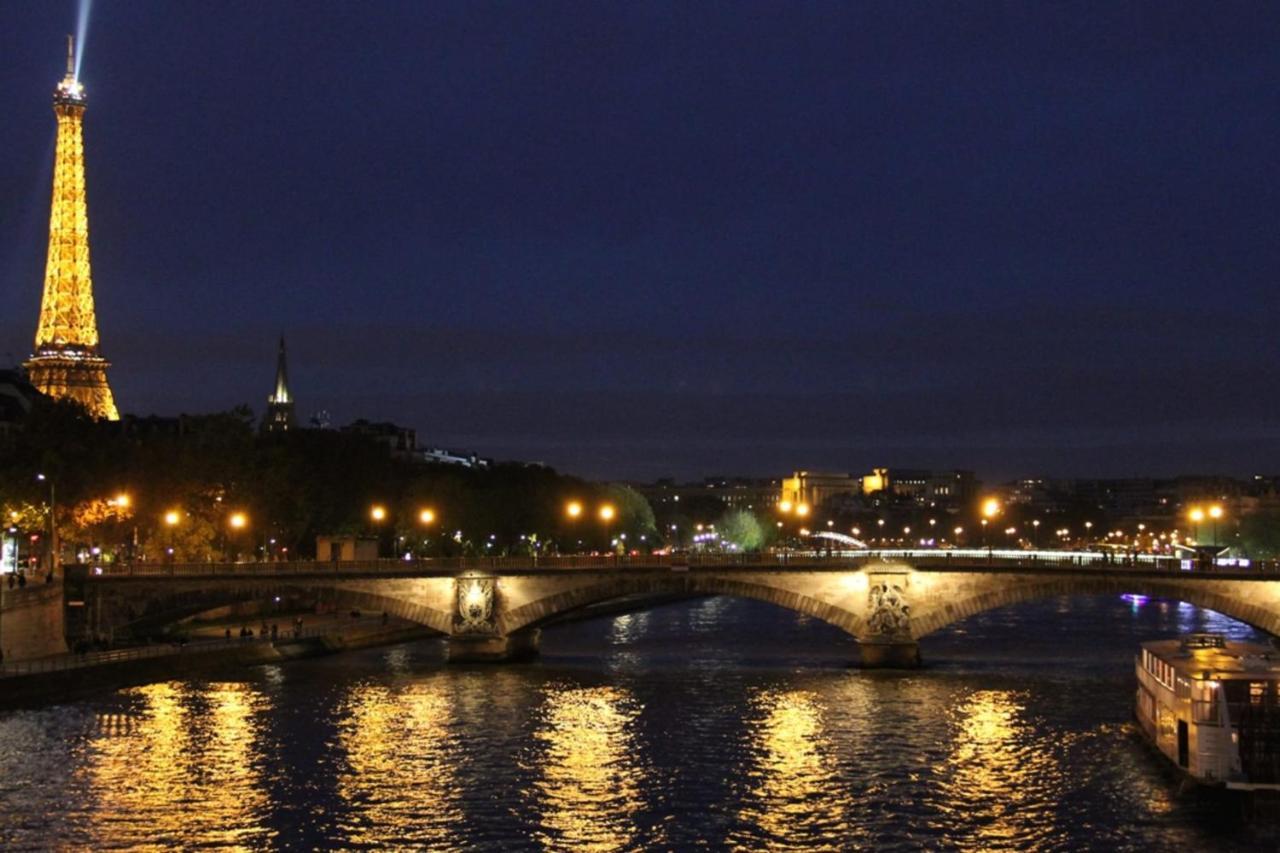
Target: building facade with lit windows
(813, 489)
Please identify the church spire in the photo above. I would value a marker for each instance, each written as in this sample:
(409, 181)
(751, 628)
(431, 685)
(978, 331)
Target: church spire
(280, 404)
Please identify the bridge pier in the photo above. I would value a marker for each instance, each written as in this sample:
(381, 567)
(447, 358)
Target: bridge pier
(521, 646)
(896, 655)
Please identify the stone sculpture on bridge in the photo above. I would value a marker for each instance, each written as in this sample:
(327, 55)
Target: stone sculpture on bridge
(890, 613)
(475, 606)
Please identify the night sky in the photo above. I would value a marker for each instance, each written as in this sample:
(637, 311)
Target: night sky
(650, 239)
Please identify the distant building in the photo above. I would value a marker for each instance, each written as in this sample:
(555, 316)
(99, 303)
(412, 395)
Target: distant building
(945, 488)
(17, 396)
(279, 416)
(712, 495)
(743, 492)
(440, 456)
(346, 548)
(401, 441)
(814, 488)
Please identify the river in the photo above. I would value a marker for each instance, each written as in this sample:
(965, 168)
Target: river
(715, 723)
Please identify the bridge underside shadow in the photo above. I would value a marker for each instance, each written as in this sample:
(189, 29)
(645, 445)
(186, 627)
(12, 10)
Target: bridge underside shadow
(140, 613)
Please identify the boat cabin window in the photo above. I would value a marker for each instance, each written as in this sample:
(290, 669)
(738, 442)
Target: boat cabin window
(1204, 702)
(1160, 671)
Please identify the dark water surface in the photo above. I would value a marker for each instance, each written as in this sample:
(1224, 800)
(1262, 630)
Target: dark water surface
(716, 723)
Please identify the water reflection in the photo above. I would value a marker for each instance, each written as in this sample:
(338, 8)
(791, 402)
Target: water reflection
(399, 780)
(751, 736)
(796, 794)
(1002, 778)
(628, 628)
(177, 768)
(589, 790)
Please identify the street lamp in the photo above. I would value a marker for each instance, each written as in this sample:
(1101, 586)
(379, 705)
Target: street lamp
(236, 521)
(53, 523)
(1196, 516)
(1215, 512)
(378, 512)
(427, 517)
(573, 509)
(607, 513)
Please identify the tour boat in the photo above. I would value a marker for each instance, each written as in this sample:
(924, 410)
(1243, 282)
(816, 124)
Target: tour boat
(1212, 706)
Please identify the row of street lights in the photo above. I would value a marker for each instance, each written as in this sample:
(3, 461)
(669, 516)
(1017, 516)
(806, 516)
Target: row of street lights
(1197, 514)
(606, 511)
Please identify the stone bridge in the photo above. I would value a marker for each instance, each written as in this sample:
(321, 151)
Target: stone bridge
(493, 609)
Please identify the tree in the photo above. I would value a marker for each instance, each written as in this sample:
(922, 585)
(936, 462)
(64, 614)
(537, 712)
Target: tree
(742, 529)
(1260, 535)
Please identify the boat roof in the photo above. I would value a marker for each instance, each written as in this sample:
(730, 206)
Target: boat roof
(1215, 656)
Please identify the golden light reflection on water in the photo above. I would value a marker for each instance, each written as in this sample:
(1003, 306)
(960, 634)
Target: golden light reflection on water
(401, 766)
(796, 788)
(589, 790)
(1001, 778)
(179, 768)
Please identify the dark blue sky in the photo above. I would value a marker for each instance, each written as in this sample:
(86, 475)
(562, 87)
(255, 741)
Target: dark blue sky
(641, 239)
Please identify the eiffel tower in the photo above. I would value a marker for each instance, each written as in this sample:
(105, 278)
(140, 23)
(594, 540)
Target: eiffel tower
(66, 363)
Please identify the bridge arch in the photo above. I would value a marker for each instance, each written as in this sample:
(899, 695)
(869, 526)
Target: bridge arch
(935, 612)
(538, 612)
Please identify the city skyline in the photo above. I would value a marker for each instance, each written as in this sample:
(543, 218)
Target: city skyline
(756, 250)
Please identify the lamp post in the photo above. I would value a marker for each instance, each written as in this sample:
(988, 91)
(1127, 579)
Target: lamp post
(1215, 513)
(1196, 515)
(53, 521)
(237, 521)
(990, 509)
(377, 515)
(607, 514)
(171, 520)
(426, 517)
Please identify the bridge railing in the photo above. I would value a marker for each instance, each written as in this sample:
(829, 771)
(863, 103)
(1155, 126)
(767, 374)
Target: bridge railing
(920, 558)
